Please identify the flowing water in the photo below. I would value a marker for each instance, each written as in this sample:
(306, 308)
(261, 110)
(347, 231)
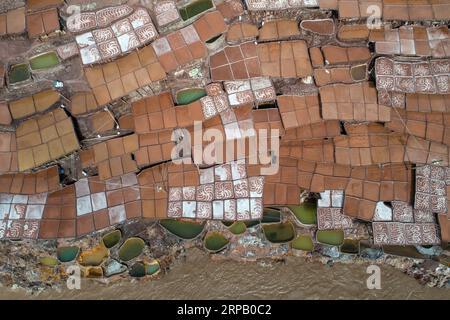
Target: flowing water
(199, 277)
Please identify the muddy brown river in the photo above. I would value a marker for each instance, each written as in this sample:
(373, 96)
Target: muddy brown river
(199, 277)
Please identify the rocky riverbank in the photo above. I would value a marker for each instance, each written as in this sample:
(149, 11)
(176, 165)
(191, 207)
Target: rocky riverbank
(33, 265)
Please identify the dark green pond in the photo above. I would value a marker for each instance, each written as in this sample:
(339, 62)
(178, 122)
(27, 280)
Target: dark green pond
(350, 246)
(252, 223)
(195, 8)
(187, 96)
(213, 39)
(184, 229)
(331, 237)
(306, 213)
(137, 270)
(268, 105)
(271, 216)
(227, 223)
(19, 73)
(131, 249)
(279, 232)
(215, 241)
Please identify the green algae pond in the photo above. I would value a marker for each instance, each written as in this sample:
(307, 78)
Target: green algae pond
(18, 73)
(306, 213)
(195, 8)
(330, 237)
(215, 241)
(112, 238)
(48, 261)
(238, 227)
(279, 232)
(303, 242)
(44, 61)
(67, 254)
(186, 230)
(131, 249)
(187, 96)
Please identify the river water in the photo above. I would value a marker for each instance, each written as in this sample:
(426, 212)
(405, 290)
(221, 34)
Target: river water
(199, 277)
